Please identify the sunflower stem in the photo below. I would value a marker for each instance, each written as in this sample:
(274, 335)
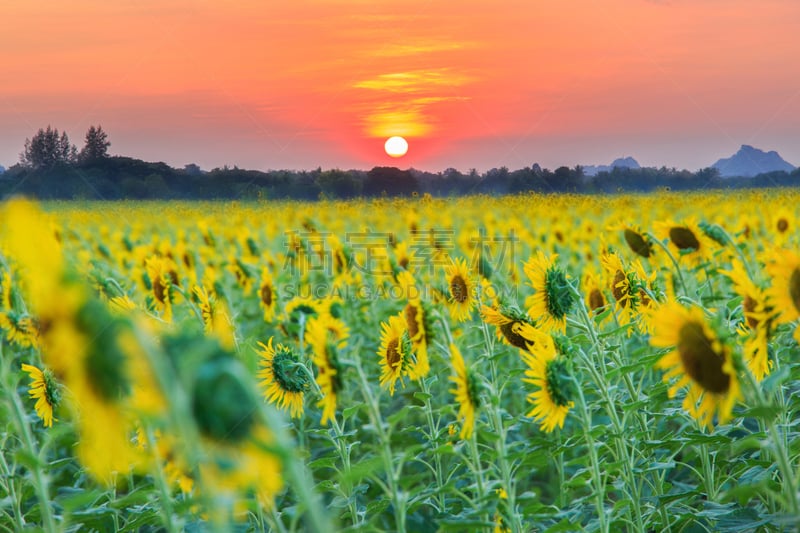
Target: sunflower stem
(477, 471)
(597, 479)
(433, 436)
(626, 452)
(500, 444)
(40, 479)
(392, 475)
(671, 258)
(778, 449)
(339, 443)
(161, 481)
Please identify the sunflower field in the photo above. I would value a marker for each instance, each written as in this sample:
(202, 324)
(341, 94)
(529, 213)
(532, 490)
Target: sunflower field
(525, 363)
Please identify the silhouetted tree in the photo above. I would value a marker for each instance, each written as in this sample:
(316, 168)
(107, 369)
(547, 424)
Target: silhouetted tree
(47, 148)
(96, 146)
(390, 180)
(338, 184)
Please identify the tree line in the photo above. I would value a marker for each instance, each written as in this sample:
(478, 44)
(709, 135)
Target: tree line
(51, 167)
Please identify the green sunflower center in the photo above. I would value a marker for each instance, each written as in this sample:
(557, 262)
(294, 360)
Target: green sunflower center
(558, 383)
(333, 361)
(288, 375)
(458, 289)
(699, 359)
(637, 243)
(52, 390)
(473, 390)
(559, 297)
(684, 239)
(105, 363)
(794, 288)
(221, 405)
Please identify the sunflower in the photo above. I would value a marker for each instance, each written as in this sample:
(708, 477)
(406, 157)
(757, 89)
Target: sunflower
(235, 440)
(783, 225)
(466, 392)
(5, 291)
(162, 277)
(45, 390)
(267, 295)
(548, 370)
(216, 320)
(461, 288)
(35, 251)
(595, 300)
(300, 309)
(174, 467)
(687, 240)
(122, 304)
(784, 294)
(699, 359)
(242, 272)
(513, 327)
(636, 239)
(108, 381)
(625, 287)
(758, 317)
(396, 353)
(243, 465)
(283, 383)
(418, 324)
(327, 336)
(553, 298)
(20, 329)
(403, 257)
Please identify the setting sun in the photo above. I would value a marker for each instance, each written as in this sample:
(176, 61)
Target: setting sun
(396, 146)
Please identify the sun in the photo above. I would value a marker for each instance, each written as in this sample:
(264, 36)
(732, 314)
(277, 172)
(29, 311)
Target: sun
(396, 146)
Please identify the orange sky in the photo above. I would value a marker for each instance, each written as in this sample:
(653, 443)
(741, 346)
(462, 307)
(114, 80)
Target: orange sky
(474, 83)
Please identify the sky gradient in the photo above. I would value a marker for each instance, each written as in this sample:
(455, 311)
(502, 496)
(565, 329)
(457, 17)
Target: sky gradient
(471, 84)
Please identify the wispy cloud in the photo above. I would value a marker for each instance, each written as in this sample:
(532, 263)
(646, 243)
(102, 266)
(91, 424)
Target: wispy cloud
(414, 80)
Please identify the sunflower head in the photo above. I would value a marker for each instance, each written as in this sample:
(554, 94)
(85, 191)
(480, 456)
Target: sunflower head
(282, 379)
(513, 326)
(461, 290)
(549, 371)
(396, 352)
(637, 242)
(222, 406)
(553, 298)
(687, 240)
(466, 392)
(784, 268)
(595, 300)
(45, 390)
(266, 293)
(21, 330)
(327, 336)
(699, 359)
(106, 364)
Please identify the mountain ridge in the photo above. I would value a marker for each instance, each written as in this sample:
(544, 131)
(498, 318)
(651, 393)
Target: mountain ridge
(749, 162)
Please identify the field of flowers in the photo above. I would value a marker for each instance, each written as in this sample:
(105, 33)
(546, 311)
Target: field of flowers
(529, 363)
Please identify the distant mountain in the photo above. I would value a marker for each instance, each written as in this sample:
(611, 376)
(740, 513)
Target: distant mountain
(621, 162)
(2, 169)
(749, 162)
